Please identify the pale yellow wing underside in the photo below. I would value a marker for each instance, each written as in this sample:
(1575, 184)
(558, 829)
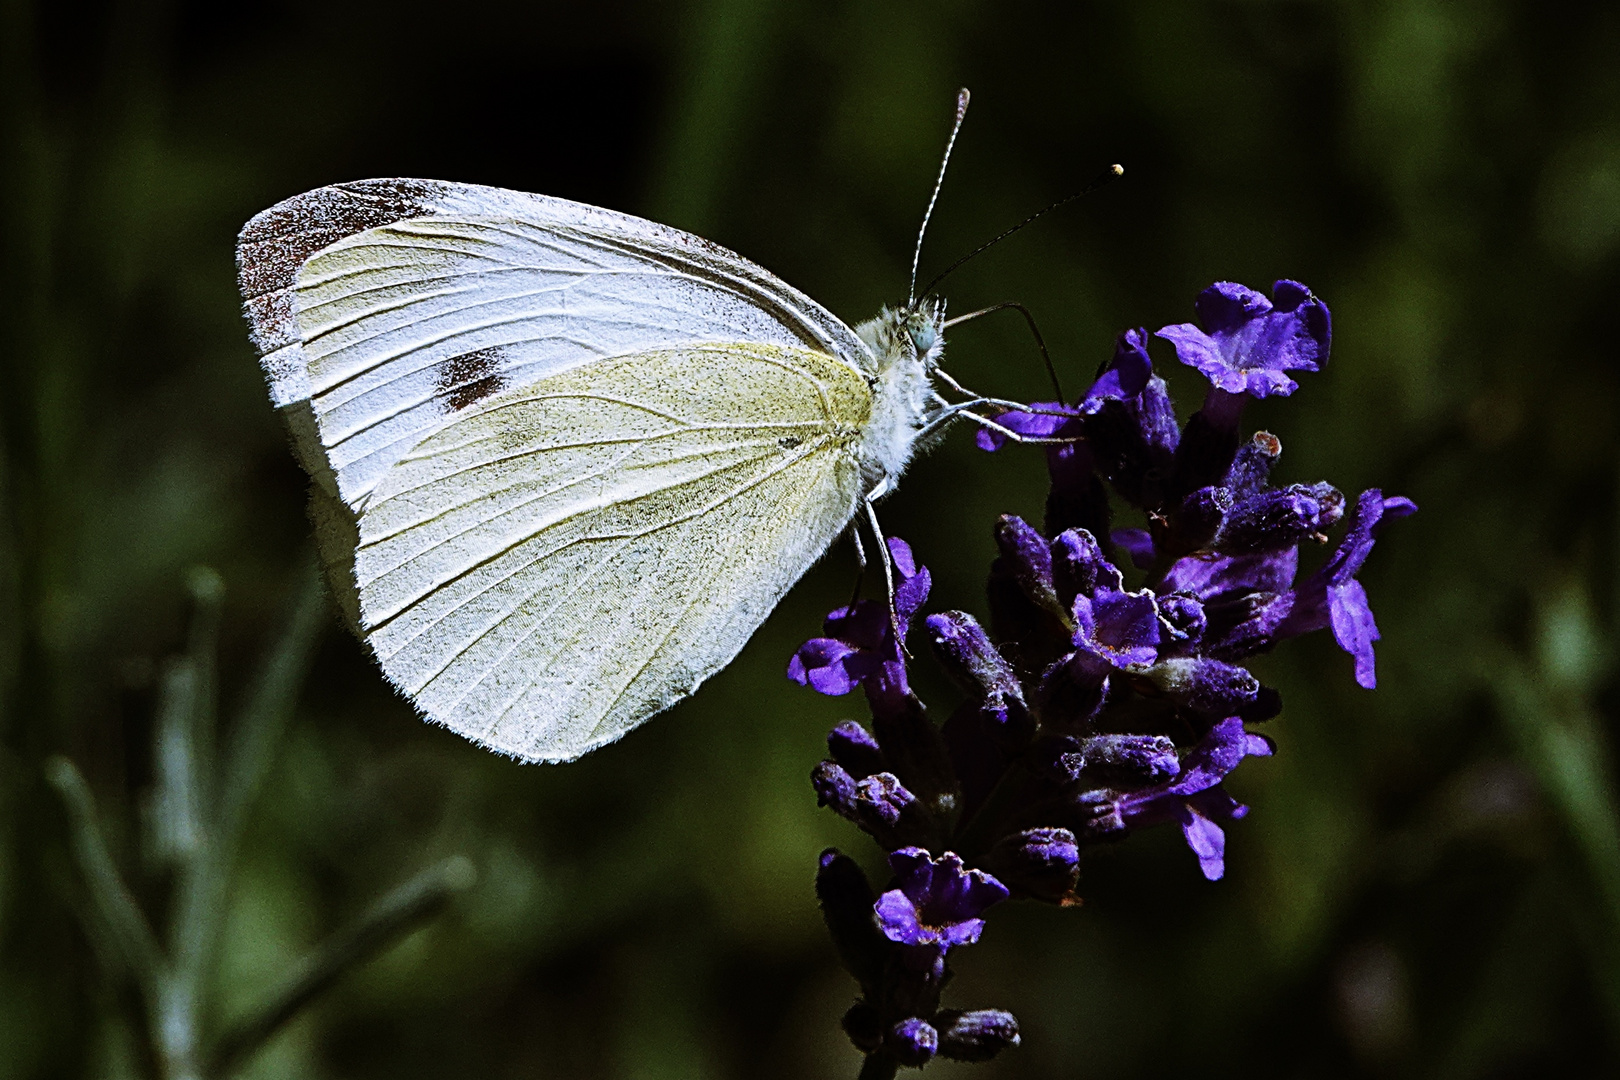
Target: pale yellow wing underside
(567, 558)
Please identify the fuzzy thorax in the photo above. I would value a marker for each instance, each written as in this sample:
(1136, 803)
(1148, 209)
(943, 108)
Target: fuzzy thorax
(906, 345)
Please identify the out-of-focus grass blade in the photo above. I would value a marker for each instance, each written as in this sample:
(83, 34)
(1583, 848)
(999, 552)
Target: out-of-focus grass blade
(258, 729)
(121, 920)
(200, 897)
(1556, 733)
(174, 824)
(207, 591)
(390, 919)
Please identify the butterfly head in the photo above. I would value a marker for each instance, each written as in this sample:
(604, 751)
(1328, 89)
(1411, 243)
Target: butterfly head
(924, 324)
(913, 336)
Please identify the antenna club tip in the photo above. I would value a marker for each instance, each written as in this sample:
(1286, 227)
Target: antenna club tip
(1117, 170)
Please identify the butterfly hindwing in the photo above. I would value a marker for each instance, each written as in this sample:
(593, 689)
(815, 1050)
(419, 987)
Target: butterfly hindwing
(566, 558)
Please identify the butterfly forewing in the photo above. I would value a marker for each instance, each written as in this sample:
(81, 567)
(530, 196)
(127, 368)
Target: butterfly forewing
(564, 559)
(413, 300)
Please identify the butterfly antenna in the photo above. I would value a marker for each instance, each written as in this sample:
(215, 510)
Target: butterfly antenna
(962, 98)
(1110, 173)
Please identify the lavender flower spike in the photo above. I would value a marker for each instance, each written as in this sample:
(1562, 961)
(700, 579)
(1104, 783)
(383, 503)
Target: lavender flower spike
(1087, 710)
(1247, 344)
(939, 903)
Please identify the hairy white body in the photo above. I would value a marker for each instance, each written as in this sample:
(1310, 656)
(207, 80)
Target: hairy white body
(565, 460)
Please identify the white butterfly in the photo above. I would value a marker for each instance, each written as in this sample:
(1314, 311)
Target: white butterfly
(566, 460)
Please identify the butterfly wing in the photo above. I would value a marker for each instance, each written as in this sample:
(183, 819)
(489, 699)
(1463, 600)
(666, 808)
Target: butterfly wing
(384, 308)
(566, 558)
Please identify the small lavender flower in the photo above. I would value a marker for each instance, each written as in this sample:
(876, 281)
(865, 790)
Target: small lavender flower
(1246, 344)
(1090, 710)
(1116, 628)
(913, 1042)
(939, 904)
(1125, 377)
(860, 644)
(1194, 798)
(1334, 596)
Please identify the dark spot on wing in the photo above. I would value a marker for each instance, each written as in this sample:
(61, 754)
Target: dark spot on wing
(789, 442)
(277, 242)
(470, 378)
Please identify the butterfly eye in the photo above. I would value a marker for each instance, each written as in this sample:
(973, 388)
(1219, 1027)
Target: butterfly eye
(924, 336)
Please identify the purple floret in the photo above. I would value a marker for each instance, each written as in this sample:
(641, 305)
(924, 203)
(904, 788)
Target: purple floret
(1126, 376)
(1046, 420)
(939, 903)
(1121, 628)
(1245, 343)
(1333, 597)
(1195, 798)
(860, 641)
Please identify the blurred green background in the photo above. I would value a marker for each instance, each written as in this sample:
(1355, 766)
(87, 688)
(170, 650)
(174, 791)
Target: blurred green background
(1429, 884)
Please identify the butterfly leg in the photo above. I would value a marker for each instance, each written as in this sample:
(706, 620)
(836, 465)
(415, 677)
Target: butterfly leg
(964, 410)
(1031, 440)
(943, 376)
(886, 560)
(860, 561)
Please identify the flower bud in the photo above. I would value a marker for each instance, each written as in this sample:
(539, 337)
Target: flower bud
(1028, 556)
(892, 814)
(1079, 567)
(913, 1042)
(853, 747)
(835, 787)
(1043, 863)
(1097, 815)
(1184, 616)
(1331, 499)
(1124, 759)
(846, 904)
(1252, 465)
(975, 1036)
(1276, 519)
(966, 653)
(1200, 515)
(1208, 686)
(1071, 691)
